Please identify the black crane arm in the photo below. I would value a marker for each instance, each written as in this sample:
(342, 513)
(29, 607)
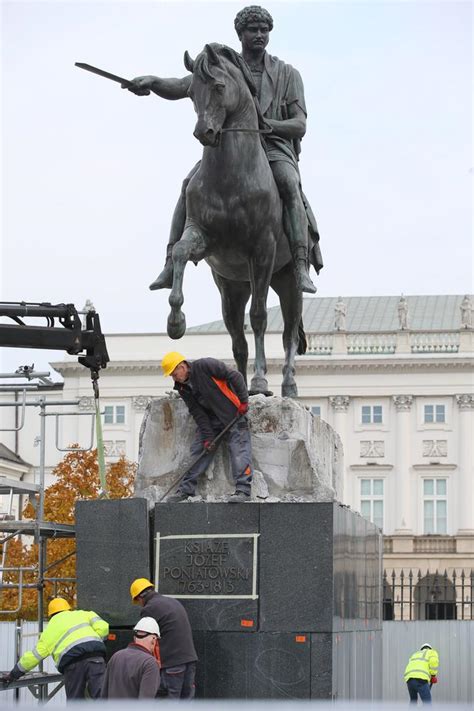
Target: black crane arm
(70, 336)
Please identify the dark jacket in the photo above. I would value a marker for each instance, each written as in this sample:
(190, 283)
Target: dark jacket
(176, 642)
(205, 398)
(132, 673)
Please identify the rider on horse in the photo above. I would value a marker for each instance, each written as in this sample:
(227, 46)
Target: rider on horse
(281, 97)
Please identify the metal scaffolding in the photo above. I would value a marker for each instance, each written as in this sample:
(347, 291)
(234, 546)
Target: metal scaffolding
(42, 531)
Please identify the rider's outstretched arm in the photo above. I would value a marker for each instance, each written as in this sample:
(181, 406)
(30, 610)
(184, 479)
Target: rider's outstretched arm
(171, 89)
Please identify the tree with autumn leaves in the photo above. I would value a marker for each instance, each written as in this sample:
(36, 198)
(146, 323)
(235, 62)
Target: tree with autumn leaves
(76, 479)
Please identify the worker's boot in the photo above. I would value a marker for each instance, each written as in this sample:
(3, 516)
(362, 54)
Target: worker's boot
(165, 279)
(238, 497)
(300, 260)
(177, 498)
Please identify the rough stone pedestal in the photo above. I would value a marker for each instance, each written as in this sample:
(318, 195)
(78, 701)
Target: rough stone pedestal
(296, 456)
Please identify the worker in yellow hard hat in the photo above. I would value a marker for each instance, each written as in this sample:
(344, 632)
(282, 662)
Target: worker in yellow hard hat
(177, 652)
(215, 395)
(171, 361)
(75, 640)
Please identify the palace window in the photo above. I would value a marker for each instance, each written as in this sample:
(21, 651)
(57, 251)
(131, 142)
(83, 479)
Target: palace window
(371, 500)
(316, 410)
(434, 413)
(371, 414)
(114, 415)
(114, 448)
(435, 506)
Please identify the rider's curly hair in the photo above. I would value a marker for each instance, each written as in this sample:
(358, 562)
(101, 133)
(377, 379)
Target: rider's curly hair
(252, 13)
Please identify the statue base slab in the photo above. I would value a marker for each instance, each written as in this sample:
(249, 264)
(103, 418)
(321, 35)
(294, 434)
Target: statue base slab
(284, 599)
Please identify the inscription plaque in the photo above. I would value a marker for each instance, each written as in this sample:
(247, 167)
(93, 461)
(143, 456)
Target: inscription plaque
(207, 566)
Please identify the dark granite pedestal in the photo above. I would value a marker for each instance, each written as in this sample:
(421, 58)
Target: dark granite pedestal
(112, 549)
(284, 599)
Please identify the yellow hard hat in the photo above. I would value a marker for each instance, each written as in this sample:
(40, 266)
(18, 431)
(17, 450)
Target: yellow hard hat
(170, 361)
(138, 586)
(59, 604)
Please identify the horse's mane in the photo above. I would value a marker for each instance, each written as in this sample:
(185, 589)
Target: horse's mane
(203, 63)
(203, 67)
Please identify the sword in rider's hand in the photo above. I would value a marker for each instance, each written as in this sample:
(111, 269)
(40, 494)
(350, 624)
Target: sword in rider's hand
(125, 83)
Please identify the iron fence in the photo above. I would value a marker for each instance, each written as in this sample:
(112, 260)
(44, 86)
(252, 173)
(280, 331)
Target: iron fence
(409, 595)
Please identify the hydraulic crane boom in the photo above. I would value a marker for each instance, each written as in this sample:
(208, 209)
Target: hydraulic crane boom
(69, 336)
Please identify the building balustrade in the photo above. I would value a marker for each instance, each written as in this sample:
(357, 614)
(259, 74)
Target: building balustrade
(425, 544)
(371, 343)
(441, 342)
(319, 344)
(434, 544)
(388, 343)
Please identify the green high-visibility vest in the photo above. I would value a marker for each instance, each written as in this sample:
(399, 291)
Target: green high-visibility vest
(422, 665)
(64, 631)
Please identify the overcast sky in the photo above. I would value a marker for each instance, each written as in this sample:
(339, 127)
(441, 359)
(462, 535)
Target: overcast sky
(91, 173)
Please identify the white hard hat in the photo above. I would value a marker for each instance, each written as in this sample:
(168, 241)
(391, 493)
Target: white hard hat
(148, 625)
(425, 644)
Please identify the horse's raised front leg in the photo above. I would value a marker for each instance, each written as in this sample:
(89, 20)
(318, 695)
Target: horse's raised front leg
(234, 296)
(260, 269)
(291, 303)
(191, 246)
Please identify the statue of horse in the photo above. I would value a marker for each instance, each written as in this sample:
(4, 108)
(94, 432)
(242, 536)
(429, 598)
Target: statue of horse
(234, 217)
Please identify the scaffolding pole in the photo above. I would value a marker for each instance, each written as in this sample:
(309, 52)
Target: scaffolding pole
(40, 529)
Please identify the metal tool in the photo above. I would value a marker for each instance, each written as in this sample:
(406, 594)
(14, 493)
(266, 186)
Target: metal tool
(212, 446)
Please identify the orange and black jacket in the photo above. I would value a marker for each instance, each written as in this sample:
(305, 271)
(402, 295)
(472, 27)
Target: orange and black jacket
(212, 391)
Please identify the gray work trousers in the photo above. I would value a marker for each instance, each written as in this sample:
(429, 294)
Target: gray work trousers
(83, 679)
(240, 450)
(178, 682)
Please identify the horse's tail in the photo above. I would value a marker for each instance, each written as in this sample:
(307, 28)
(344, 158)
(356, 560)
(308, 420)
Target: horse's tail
(302, 342)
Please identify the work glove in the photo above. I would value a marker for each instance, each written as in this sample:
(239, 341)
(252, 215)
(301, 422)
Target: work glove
(208, 445)
(434, 679)
(12, 675)
(243, 408)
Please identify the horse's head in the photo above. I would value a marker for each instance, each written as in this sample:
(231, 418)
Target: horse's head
(216, 89)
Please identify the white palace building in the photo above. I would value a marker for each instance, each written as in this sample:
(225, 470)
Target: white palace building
(392, 375)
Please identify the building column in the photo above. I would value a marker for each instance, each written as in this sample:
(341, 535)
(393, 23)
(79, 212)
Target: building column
(403, 506)
(465, 480)
(340, 405)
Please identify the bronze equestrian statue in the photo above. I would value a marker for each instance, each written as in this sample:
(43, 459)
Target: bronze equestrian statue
(242, 208)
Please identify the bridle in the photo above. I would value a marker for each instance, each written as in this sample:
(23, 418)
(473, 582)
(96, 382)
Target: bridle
(248, 130)
(261, 131)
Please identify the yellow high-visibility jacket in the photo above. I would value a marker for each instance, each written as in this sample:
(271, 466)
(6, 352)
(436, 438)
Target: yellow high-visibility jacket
(423, 664)
(69, 635)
